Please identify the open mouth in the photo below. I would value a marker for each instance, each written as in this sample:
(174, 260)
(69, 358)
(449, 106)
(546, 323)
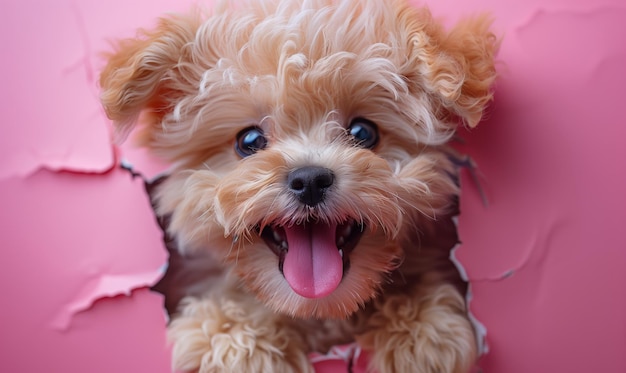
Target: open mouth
(313, 256)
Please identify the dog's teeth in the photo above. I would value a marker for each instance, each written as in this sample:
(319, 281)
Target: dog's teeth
(277, 237)
(341, 252)
(283, 245)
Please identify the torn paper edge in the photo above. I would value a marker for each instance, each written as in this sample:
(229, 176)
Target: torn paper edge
(104, 286)
(479, 328)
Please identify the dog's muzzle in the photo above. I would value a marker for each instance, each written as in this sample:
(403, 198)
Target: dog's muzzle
(313, 255)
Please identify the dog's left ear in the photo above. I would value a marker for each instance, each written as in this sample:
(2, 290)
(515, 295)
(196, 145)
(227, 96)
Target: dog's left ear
(457, 67)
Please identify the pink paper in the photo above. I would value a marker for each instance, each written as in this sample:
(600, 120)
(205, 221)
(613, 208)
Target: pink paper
(545, 258)
(69, 241)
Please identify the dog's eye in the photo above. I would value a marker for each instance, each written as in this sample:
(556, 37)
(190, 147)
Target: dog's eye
(364, 132)
(249, 141)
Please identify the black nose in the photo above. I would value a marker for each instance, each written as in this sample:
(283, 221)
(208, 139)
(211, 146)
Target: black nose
(310, 183)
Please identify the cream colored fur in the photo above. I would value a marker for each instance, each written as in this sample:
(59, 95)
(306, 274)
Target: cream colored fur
(301, 70)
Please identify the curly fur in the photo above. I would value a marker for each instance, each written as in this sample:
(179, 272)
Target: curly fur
(301, 70)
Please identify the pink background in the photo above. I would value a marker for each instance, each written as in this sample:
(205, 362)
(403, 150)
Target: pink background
(546, 258)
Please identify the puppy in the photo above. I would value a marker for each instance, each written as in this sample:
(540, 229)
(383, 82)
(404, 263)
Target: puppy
(308, 147)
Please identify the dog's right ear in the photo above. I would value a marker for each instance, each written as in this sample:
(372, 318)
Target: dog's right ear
(138, 74)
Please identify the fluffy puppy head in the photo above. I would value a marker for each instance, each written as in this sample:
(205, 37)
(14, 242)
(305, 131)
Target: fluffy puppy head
(305, 135)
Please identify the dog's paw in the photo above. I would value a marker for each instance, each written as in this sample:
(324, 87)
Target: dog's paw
(429, 334)
(226, 336)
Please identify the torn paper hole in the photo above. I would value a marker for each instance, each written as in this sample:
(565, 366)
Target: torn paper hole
(190, 275)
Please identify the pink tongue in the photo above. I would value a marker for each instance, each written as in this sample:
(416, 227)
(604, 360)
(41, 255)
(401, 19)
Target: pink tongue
(312, 267)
